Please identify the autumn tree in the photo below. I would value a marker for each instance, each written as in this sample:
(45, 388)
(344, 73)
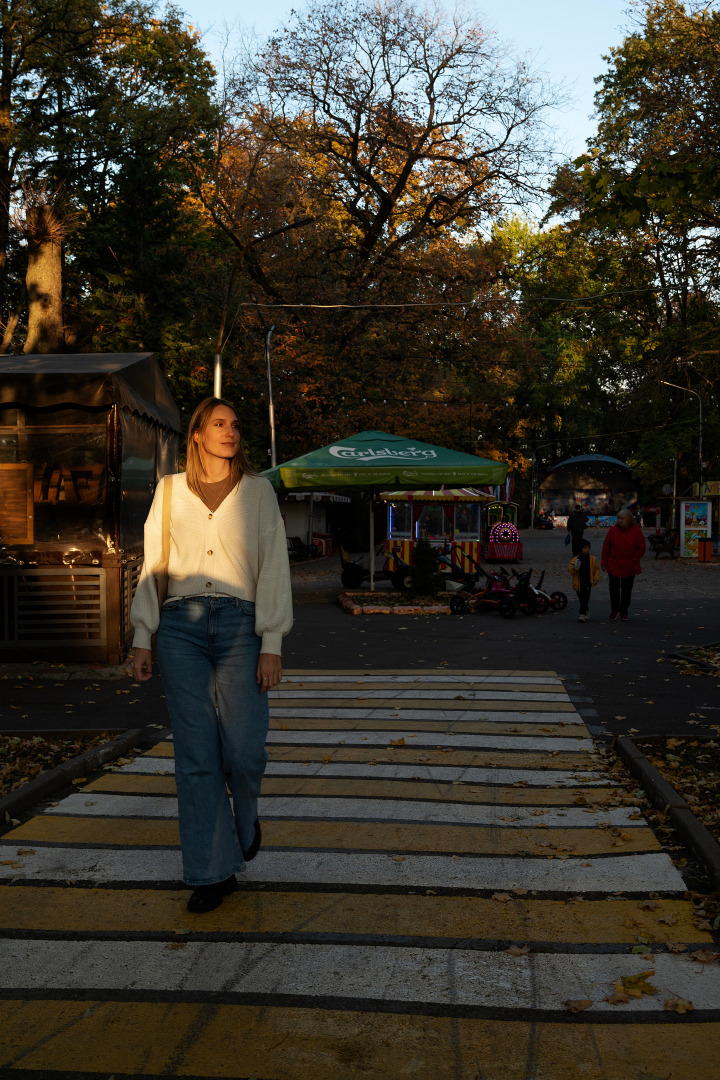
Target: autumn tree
(651, 181)
(84, 88)
(400, 131)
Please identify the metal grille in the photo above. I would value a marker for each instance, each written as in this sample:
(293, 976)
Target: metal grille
(53, 606)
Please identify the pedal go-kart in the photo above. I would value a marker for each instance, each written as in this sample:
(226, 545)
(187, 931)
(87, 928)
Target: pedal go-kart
(490, 594)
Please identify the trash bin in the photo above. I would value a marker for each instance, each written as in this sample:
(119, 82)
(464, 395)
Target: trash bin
(704, 549)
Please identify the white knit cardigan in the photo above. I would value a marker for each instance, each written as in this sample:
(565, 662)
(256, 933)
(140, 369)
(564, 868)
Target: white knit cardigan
(239, 550)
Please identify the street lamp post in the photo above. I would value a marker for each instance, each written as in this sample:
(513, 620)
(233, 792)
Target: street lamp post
(273, 453)
(700, 455)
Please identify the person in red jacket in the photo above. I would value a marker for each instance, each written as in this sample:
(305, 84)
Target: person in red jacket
(621, 553)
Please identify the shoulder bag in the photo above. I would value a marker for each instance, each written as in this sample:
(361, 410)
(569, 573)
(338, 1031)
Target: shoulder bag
(161, 574)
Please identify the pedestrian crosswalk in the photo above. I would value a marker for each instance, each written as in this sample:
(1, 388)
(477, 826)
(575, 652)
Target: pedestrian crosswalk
(451, 886)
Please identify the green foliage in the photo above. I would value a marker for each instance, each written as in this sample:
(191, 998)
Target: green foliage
(424, 575)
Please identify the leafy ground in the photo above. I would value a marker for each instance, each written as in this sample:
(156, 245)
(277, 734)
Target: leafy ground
(22, 759)
(396, 599)
(692, 766)
(707, 657)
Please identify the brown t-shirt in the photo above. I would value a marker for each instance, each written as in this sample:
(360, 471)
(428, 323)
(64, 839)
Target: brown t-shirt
(210, 493)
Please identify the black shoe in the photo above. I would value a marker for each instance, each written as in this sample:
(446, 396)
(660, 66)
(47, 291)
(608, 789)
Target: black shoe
(208, 897)
(252, 851)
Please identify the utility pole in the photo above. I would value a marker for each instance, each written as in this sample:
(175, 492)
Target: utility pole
(271, 408)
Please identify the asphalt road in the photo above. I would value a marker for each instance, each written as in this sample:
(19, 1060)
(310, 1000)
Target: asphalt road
(621, 667)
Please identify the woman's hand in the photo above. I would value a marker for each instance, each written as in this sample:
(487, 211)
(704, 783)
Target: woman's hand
(269, 672)
(142, 665)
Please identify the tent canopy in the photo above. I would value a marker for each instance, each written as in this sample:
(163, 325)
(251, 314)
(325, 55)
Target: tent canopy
(374, 459)
(134, 381)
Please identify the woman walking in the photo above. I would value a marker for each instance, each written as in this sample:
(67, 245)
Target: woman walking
(219, 635)
(621, 553)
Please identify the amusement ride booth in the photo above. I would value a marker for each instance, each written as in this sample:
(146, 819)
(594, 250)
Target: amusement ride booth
(450, 518)
(84, 440)
(500, 536)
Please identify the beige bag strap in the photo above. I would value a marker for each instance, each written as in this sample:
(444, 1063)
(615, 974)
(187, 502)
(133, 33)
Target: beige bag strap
(167, 503)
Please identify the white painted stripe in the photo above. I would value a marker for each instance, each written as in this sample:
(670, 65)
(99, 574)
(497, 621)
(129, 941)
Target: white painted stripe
(96, 804)
(418, 695)
(443, 773)
(390, 973)
(639, 874)
(479, 714)
(400, 680)
(538, 743)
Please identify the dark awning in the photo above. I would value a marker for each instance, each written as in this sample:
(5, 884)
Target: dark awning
(133, 381)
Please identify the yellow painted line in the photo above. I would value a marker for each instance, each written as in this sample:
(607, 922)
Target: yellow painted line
(133, 784)
(359, 787)
(142, 1038)
(135, 832)
(411, 755)
(418, 672)
(431, 704)
(361, 687)
(320, 723)
(594, 922)
(349, 835)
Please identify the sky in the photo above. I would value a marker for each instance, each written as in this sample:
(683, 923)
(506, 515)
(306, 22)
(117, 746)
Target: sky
(566, 38)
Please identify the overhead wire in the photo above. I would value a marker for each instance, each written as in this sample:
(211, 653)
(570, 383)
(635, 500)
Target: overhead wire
(591, 298)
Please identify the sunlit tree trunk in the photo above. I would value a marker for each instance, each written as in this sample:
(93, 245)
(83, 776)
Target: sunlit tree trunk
(44, 280)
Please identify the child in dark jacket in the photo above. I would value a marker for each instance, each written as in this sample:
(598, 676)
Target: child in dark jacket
(585, 573)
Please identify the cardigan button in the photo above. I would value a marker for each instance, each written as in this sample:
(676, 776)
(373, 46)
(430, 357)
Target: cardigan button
(210, 551)
(208, 584)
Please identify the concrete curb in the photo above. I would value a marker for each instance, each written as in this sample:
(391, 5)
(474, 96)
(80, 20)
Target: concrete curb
(682, 654)
(348, 604)
(47, 783)
(664, 797)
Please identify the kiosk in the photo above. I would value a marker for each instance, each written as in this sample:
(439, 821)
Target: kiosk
(450, 518)
(84, 440)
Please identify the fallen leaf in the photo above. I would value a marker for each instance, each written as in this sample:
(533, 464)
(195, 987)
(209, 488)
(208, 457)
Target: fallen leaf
(397, 742)
(678, 1005)
(704, 956)
(675, 947)
(502, 896)
(519, 950)
(636, 985)
(577, 1005)
(618, 997)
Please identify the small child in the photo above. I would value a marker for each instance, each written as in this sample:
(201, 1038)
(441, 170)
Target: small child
(585, 573)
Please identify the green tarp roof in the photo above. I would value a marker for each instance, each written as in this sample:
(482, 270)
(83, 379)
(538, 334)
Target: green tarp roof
(374, 459)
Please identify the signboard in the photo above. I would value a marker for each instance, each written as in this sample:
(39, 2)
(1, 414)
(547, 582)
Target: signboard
(16, 499)
(709, 490)
(695, 524)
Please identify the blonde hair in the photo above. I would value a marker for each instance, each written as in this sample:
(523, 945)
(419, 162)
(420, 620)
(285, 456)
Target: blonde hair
(239, 465)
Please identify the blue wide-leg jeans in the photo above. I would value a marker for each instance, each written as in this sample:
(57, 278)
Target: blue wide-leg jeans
(208, 655)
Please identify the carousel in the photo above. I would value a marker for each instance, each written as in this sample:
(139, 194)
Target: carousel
(501, 539)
